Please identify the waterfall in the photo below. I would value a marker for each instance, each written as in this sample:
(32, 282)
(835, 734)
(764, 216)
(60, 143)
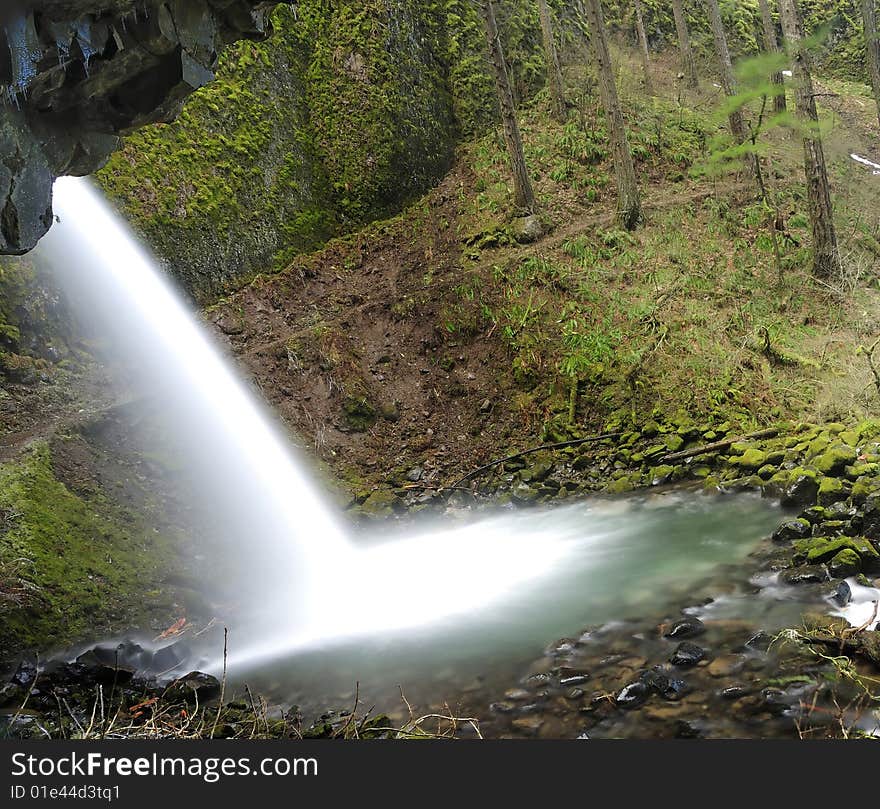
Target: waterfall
(259, 491)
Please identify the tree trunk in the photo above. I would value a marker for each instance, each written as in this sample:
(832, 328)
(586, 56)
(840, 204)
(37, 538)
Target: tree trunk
(643, 46)
(629, 209)
(869, 15)
(523, 195)
(725, 66)
(551, 56)
(688, 65)
(771, 46)
(826, 256)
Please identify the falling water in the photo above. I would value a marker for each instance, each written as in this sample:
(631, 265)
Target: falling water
(261, 494)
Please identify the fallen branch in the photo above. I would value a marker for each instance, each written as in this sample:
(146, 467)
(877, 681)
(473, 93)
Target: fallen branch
(559, 445)
(716, 446)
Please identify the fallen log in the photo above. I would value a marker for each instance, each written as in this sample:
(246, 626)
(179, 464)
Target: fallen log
(717, 446)
(559, 445)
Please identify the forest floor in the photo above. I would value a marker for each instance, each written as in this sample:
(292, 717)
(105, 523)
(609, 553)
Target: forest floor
(430, 343)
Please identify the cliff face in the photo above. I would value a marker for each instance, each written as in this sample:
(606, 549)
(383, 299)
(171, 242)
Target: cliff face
(348, 112)
(76, 74)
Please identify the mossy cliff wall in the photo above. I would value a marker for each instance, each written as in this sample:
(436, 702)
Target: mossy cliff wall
(347, 112)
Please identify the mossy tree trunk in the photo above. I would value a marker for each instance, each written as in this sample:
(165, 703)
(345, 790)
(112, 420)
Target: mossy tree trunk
(869, 17)
(629, 208)
(551, 56)
(643, 46)
(771, 46)
(688, 64)
(523, 194)
(826, 256)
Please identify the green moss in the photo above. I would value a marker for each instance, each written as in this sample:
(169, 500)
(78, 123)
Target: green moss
(751, 459)
(79, 565)
(831, 490)
(835, 459)
(821, 549)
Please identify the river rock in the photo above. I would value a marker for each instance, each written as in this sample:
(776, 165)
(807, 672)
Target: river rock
(798, 528)
(688, 627)
(845, 563)
(808, 574)
(633, 695)
(687, 654)
(841, 594)
(570, 677)
(801, 490)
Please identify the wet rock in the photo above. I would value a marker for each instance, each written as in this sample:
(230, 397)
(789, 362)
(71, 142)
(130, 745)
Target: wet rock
(517, 694)
(688, 627)
(655, 679)
(808, 574)
(871, 517)
(774, 701)
(570, 677)
(798, 528)
(169, 657)
(523, 494)
(823, 549)
(802, 489)
(661, 474)
(196, 684)
(734, 692)
(841, 594)
(750, 461)
(845, 563)
(84, 73)
(686, 730)
(687, 654)
(676, 690)
(502, 707)
(633, 695)
(575, 694)
(832, 490)
(25, 674)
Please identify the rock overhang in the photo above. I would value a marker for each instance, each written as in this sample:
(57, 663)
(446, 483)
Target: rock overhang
(75, 75)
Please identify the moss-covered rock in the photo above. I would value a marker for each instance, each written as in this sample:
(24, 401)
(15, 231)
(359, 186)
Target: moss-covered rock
(381, 503)
(832, 490)
(358, 414)
(845, 563)
(800, 488)
(751, 460)
(822, 549)
(835, 459)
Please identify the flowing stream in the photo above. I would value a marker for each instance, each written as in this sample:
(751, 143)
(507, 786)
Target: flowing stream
(435, 603)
